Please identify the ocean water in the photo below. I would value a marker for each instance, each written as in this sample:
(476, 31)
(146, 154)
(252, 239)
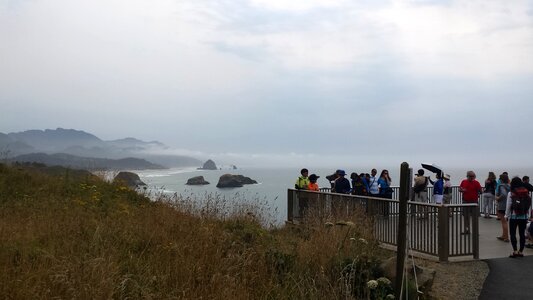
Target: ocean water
(273, 183)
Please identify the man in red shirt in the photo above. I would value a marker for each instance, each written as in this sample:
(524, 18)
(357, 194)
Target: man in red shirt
(471, 189)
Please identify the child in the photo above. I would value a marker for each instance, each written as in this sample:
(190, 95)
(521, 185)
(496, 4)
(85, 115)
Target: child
(313, 186)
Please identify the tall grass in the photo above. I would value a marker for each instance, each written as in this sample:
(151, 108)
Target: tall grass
(73, 235)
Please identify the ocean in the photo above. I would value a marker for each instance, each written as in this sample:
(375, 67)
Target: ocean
(273, 182)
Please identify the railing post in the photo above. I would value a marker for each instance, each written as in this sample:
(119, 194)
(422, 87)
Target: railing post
(403, 197)
(290, 205)
(475, 231)
(444, 233)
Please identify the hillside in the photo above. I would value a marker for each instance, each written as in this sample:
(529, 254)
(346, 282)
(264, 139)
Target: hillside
(87, 163)
(67, 235)
(84, 144)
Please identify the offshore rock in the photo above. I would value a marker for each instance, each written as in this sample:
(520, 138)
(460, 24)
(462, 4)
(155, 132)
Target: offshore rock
(209, 165)
(129, 179)
(229, 181)
(198, 180)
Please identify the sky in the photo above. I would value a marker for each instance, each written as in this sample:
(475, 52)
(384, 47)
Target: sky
(276, 82)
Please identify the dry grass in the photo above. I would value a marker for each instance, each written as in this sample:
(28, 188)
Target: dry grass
(72, 235)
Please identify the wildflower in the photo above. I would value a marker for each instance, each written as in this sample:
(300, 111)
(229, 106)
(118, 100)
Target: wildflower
(372, 284)
(390, 297)
(384, 280)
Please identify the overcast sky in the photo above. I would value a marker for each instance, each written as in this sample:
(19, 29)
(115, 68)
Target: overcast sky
(298, 82)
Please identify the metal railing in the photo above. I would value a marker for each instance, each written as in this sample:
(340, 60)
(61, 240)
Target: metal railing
(455, 198)
(441, 231)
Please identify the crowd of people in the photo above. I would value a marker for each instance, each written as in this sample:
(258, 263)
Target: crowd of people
(509, 197)
(513, 206)
(363, 184)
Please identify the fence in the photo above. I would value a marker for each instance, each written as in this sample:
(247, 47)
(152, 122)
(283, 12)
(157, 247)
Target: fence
(441, 231)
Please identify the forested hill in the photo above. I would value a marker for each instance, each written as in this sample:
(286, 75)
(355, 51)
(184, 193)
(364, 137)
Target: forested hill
(87, 163)
(86, 145)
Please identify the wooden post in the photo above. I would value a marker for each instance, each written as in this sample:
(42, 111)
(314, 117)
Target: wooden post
(444, 233)
(475, 231)
(405, 185)
(290, 205)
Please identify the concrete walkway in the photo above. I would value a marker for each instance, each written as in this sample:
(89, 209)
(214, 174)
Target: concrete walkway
(489, 246)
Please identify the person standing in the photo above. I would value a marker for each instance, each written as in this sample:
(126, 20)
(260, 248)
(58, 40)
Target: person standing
(373, 184)
(489, 194)
(518, 206)
(313, 186)
(501, 205)
(527, 185)
(358, 186)
(471, 189)
(438, 189)
(364, 180)
(303, 181)
(447, 193)
(342, 185)
(420, 189)
(385, 190)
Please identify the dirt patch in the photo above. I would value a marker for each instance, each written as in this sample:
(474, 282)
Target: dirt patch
(457, 280)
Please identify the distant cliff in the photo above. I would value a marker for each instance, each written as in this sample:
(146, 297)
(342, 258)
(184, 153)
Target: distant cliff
(87, 163)
(82, 144)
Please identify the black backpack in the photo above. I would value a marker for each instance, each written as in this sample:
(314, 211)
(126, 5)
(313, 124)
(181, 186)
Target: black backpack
(520, 201)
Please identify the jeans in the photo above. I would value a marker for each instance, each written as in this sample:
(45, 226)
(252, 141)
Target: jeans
(521, 224)
(488, 203)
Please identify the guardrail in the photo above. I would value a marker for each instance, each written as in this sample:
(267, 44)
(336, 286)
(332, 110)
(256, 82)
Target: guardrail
(436, 230)
(455, 197)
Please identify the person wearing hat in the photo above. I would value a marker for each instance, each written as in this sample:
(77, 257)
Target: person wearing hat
(342, 185)
(447, 192)
(313, 186)
(303, 181)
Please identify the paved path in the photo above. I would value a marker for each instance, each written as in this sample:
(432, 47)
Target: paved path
(509, 278)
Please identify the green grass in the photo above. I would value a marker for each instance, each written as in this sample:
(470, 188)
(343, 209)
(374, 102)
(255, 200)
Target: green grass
(69, 234)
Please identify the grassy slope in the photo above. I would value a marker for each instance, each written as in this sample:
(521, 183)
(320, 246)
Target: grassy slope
(72, 235)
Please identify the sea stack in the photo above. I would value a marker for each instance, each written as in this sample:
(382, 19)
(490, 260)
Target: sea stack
(129, 179)
(209, 165)
(231, 181)
(198, 180)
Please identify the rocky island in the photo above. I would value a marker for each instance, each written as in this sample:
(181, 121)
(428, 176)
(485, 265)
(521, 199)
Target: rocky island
(129, 179)
(209, 165)
(231, 181)
(198, 180)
